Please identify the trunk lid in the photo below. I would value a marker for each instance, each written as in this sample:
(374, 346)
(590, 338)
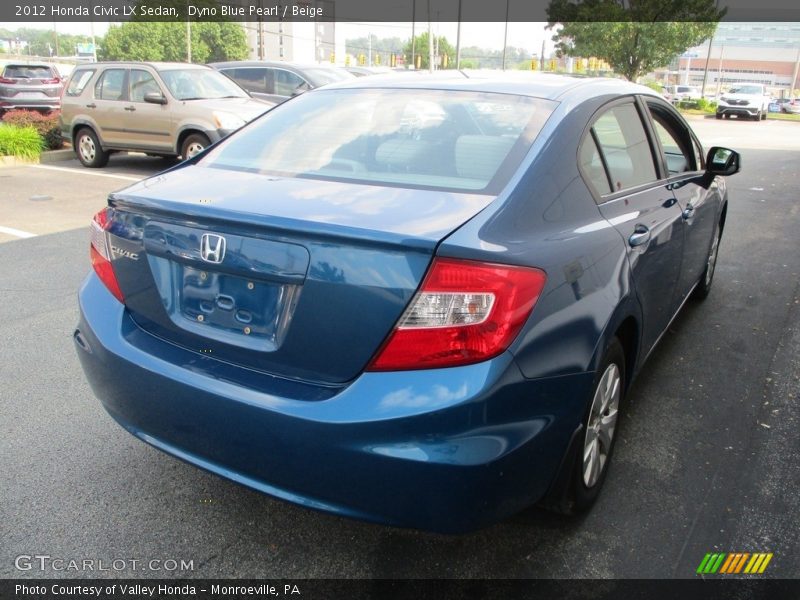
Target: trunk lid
(296, 277)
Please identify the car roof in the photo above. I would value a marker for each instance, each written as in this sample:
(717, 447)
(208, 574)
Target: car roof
(272, 64)
(159, 66)
(523, 83)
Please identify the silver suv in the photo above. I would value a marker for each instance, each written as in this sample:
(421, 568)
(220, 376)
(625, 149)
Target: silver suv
(162, 109)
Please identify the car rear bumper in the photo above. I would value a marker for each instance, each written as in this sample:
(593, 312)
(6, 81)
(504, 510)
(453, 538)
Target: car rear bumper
(14, 103)
(443, 450)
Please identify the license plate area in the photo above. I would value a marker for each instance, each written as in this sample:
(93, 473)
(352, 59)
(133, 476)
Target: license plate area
(247, 298)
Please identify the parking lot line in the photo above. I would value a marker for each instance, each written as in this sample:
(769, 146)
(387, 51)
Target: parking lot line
(79, 172)
(16, 232)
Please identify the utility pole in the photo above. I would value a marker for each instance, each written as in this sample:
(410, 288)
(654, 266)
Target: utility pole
(719, 71)
(794, 75)
(430, 40)
(458, 39)
(188, 40)
(541, 65)
(505, 38)
(705, 72)
(413, 31)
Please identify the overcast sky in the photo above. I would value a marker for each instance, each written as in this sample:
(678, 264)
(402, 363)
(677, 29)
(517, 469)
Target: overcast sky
(484, 35)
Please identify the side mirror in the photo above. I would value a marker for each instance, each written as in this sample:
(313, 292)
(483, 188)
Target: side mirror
(155, 98)
(723, 161)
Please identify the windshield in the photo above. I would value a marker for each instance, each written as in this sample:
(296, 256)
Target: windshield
(200, 84)
(746, 89)
(404, 137)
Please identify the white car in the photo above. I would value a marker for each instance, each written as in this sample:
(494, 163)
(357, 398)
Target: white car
(679, 93)
(750, 100)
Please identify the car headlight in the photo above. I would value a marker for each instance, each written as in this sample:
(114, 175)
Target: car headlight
(226, 120)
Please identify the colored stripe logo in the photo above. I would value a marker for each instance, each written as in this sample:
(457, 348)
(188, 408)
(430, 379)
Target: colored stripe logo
(732, 563)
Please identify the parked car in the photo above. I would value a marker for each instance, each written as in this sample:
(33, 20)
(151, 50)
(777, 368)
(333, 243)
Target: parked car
(359, 71)
(279, 81)
(791, 107)
(680, 93)
(163, 109)
(749, 101)
(427, 322)
(30, 86)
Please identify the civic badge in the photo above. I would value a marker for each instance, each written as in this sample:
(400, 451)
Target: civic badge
(212, 248)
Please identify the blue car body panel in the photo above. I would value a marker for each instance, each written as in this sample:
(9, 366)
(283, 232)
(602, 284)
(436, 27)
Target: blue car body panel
(295, 414)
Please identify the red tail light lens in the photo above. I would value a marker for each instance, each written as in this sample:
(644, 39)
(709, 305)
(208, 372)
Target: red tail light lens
(464, 312)
(51, 81)
(7, 81)
(100, 253)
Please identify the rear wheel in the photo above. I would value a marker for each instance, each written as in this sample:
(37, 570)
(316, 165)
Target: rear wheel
(88, 149)
(719, 115)
(591, 455)
(707, 278)
(194, 145)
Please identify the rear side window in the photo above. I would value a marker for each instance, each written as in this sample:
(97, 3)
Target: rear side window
(110, 86)
(625, 147)
(592, 166)
(78, 82)
(434, 139)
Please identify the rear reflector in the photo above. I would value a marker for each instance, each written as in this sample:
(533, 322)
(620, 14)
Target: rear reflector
(464, 312)
(100, 255)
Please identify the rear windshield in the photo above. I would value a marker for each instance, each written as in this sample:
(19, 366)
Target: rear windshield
(440, 139)
(28, 72)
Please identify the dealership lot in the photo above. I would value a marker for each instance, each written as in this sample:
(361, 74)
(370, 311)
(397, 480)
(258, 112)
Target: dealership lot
(707, 460)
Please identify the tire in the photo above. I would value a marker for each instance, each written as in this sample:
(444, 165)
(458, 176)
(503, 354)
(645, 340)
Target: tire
(763, 115)
(719, 115)
(758, 116)
(89, 150)
(703, 287)
(193, 145)
(590, 457)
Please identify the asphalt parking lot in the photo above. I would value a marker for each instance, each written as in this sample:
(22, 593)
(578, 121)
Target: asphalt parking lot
(708, 458)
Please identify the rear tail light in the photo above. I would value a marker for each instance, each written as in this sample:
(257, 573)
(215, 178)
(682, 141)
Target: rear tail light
(7, 81)
(464, 312)
(100, 252)
(51, 81)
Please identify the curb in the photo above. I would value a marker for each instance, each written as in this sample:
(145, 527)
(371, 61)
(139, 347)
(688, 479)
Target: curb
(52, 156)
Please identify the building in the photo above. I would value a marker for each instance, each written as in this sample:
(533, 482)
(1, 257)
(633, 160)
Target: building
(309, 41)
(765, 53)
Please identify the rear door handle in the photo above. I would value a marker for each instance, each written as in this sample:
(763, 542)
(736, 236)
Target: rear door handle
(640, 235)
(130, 108)
(92, 105)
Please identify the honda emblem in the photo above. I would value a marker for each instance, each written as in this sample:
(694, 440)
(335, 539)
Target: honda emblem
(212, 248)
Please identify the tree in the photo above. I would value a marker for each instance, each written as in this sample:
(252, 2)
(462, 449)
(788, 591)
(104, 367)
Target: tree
(154, 41)
(633, 39)
(421, 50)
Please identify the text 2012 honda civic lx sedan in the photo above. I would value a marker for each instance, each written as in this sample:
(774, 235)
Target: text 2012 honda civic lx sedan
(412, 302)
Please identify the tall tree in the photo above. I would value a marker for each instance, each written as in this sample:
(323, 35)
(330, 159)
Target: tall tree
(137, 40)
(421, 48)
(633, 36)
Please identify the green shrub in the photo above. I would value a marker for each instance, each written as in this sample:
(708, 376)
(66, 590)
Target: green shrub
(45, 124)
(22, 142)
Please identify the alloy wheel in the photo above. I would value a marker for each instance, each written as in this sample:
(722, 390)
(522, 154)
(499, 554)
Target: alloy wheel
(601, 425)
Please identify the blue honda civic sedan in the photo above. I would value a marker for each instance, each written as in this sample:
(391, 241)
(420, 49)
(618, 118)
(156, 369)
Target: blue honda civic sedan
(418, 303)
